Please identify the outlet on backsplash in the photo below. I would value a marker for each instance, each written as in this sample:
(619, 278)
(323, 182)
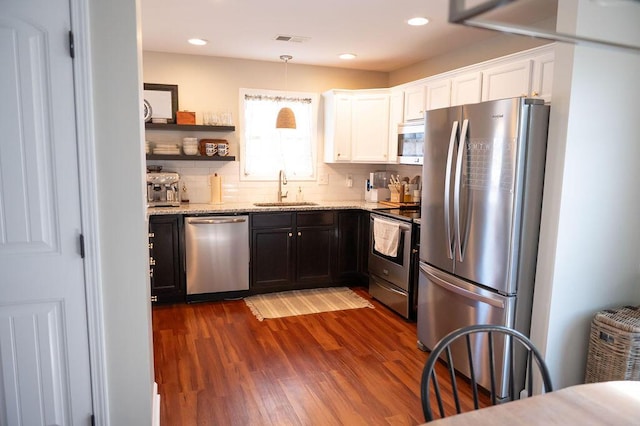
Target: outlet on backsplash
(323, 179)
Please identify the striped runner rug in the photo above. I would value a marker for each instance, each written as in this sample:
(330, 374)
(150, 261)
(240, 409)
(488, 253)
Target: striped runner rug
(303, 302)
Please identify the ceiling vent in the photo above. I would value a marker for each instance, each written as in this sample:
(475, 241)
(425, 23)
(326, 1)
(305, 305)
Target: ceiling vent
(292, 39)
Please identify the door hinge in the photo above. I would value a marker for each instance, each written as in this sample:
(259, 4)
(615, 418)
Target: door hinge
(81, 238)
(72, 45)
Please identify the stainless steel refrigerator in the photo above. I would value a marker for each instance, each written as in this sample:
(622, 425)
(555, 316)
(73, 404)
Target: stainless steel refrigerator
(481, 201)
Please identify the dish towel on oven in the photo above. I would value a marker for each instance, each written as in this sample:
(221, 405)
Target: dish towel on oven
(386, 236)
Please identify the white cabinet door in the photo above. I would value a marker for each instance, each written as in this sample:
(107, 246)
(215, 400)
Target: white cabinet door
(396, 115)
(414, 102)
(370, 128)
(337, 127)
(507, 81)
(466, 89)
(45, 375)
(438, 94)
(542, 80)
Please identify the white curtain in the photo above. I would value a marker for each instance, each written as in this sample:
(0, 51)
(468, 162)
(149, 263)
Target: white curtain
(267, 149)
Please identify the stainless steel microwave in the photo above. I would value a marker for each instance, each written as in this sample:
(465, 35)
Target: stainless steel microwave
(411, 142)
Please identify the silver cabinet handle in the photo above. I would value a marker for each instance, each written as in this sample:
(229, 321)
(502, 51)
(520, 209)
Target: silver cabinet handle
(290, 234)
(299, 234)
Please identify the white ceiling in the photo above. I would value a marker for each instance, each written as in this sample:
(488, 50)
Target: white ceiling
(375, 30)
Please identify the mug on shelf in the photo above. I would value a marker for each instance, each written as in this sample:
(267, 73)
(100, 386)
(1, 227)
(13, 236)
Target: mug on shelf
(223, 149)
(211, 149)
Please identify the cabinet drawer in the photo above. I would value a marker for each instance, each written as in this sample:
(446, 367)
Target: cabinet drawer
(272, 220)
(315, 219)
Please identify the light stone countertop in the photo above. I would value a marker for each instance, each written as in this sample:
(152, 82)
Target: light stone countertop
(251, 208)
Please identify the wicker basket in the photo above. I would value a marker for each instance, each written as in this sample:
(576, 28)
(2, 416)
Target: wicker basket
(614, 345)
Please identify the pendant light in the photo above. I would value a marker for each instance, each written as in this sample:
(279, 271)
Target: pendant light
(286, 119)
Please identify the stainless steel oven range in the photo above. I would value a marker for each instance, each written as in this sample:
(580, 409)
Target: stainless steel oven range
(391, 276)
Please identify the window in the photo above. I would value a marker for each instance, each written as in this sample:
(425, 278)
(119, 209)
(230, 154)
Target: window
(264, 150)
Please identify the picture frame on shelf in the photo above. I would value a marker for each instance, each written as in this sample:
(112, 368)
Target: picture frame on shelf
(162, 100)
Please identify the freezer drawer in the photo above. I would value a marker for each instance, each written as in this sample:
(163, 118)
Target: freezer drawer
(446, 303)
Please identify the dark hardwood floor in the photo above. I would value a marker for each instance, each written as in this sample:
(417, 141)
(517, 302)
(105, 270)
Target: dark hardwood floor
(216, 364)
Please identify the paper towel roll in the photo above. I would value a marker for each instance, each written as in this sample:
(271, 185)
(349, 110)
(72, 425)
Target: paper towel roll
(216, 189)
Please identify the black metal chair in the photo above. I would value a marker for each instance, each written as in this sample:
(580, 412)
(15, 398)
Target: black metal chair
(516, 348)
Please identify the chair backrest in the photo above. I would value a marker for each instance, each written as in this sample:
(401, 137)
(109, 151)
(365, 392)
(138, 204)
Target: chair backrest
(512, 347)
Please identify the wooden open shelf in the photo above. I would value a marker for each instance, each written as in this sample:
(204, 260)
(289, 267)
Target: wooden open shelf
(189, 127)
(190, 157)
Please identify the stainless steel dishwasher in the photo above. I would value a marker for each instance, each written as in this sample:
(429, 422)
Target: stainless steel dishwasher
(217, 254)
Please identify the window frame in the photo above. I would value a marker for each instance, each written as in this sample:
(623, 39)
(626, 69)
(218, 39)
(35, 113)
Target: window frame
(315, 98)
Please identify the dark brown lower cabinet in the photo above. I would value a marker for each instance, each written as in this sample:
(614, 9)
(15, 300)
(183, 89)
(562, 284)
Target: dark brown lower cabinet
(351, 246)
(272, 251)
(314, 248)
(166, 253)
(307, 249)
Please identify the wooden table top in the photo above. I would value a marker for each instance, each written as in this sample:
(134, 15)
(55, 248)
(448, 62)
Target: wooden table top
(605, 403)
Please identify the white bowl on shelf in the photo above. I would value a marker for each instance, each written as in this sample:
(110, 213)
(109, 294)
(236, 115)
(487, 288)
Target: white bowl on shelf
(190, 150)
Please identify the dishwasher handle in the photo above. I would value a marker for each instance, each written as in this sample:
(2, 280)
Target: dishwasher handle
(215, 221)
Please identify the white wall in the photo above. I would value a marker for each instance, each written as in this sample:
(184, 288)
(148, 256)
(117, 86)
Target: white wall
(123, 244)
(589, 256)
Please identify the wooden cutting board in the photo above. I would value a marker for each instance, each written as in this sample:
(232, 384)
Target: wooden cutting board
(398, 204)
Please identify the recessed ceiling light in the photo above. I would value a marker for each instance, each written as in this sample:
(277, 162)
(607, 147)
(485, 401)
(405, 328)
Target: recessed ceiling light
(197, 41)
(347, 56)
(417, 21)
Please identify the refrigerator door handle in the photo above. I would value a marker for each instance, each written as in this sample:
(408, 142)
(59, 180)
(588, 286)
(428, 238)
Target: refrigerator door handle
(447, 188)
(456, 190)
(498, 301)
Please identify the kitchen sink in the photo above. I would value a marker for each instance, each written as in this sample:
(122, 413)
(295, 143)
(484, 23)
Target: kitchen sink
(285, 204)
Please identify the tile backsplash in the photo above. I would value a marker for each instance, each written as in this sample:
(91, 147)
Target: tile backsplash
(195, 177)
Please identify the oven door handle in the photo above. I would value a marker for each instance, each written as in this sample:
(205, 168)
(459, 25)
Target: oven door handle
(402, 226)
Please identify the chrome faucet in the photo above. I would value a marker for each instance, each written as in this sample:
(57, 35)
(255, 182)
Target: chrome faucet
(282, 180)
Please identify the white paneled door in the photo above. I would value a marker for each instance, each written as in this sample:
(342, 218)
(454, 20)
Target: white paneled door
(44, 352)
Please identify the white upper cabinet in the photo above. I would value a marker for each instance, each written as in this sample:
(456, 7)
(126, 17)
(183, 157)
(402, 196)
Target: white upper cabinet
(337, 126)
(414, 102)
(356, 126)
(361, 126)
(370, 128)
(466, 88)
(396, 116)
(532, 77)
(542, 76)
(507, 80)
(438, 94)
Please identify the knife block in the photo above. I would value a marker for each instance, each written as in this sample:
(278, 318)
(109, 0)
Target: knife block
(397, 192)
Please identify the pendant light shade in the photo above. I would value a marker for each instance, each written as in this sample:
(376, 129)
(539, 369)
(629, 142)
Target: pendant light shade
(286, 118)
